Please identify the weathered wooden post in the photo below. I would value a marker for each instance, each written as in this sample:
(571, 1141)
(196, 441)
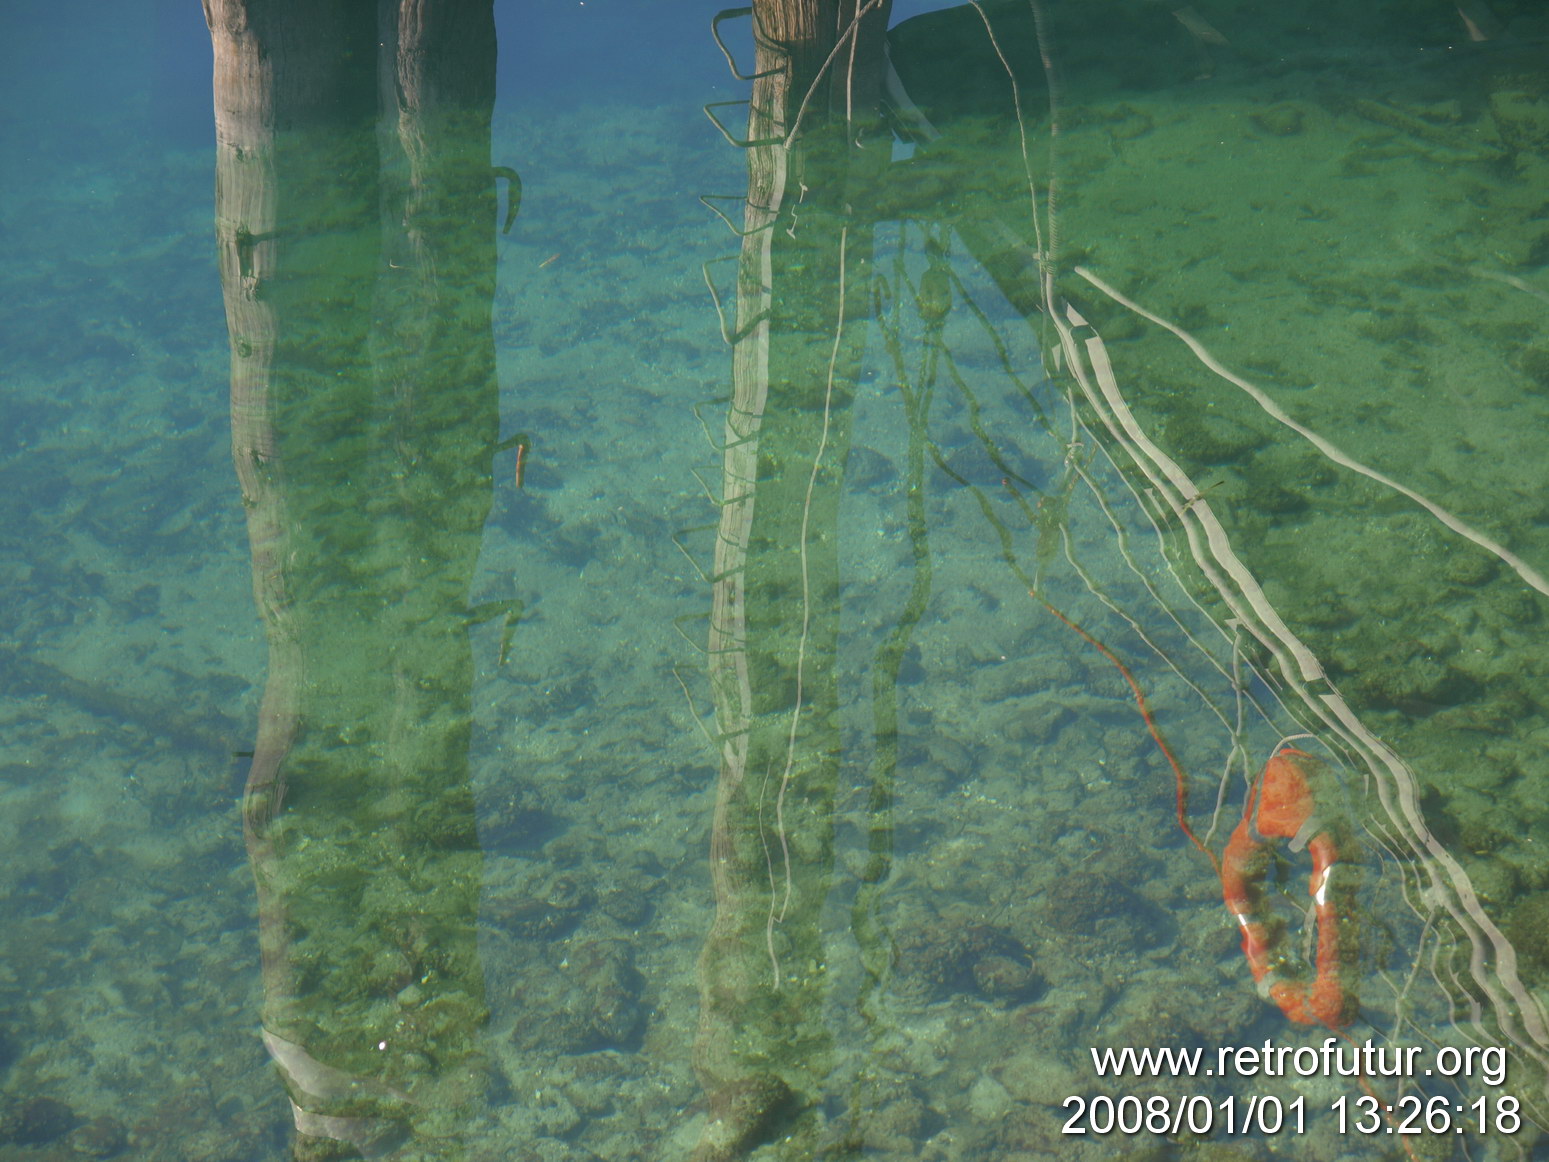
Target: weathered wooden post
(355, 204)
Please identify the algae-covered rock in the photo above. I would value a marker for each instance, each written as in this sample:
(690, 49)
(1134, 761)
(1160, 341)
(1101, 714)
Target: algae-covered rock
(942, 959)
(102, 1137)
(1199, 438)
(1280, 120)
(591, 1002)
(1527, 927)
(37, 1121)
(743, 1115)
(1521, 118)
(1093, 905)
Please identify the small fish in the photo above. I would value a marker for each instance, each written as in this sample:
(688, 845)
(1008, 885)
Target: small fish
(522, 442)
(522, 445)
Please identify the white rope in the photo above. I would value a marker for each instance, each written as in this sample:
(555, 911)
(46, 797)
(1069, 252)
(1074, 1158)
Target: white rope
(1522, 568)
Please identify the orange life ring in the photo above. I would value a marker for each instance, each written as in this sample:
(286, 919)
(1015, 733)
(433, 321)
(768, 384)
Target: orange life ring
(1283, 805)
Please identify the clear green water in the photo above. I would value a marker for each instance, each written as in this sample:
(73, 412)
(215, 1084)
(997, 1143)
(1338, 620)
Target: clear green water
(624, 689)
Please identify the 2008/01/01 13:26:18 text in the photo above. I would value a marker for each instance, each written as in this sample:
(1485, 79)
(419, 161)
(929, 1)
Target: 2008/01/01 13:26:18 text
(1267, 1115)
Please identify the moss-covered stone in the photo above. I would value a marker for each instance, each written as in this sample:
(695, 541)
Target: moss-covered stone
(1199, 438)
(1527, 927)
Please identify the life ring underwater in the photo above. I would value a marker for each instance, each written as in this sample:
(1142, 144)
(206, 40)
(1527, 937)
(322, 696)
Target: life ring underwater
(1284, 804)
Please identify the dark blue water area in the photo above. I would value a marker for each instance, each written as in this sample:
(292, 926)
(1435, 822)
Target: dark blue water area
(568, 53)
(107, 139)
(138, 74)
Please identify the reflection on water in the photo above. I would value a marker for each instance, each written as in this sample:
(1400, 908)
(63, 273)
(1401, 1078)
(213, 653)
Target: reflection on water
(811, 689)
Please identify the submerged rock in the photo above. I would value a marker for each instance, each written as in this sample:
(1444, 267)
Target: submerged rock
(102, 1137)
(1095, 906)
(37, 1122)
(943, 959)
(745, 1114)
(593, 1003)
